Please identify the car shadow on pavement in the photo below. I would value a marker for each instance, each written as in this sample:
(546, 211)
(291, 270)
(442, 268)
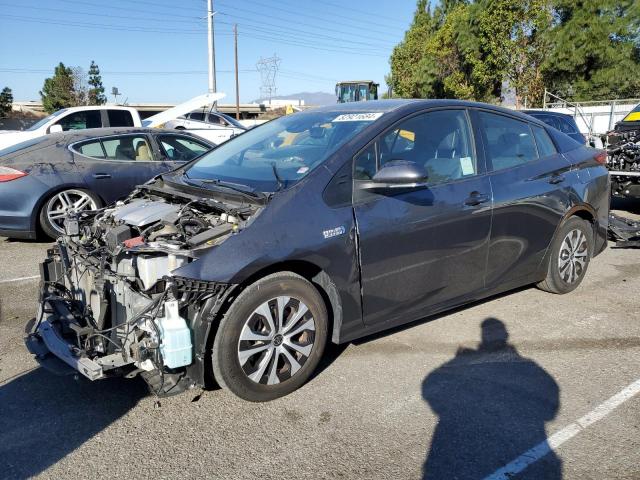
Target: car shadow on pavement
(44, 417)
(492, 405)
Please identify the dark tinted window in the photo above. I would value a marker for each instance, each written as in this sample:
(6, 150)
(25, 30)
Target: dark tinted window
(183, 149)
(365, 165)
(120, 118)
(543, 141)
(196, 116)
(566, 125)
(440, 142)
(81, 120)
(509, 142)
(216, 120)
(548, 119)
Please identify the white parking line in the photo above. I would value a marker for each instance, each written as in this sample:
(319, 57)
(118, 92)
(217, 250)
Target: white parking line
(20, 279)
(570, 431)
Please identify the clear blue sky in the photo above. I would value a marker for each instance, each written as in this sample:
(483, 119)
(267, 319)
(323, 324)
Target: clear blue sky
(319, 42)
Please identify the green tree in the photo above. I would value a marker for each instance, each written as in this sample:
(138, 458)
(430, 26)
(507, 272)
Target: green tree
(6, 100)
(58, 91)
(96, 92)
(580, 50)
(405, 75)
(596, 50)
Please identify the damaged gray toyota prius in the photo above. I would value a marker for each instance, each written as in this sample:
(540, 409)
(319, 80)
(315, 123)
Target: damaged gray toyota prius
(327, 225)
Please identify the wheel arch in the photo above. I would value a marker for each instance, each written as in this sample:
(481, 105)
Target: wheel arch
(307, 270)
(35, 215)
(583, 211)
(318, 278)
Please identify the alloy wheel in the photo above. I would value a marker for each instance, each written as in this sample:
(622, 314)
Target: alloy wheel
(276, 340)
(65, 202)
(573, 256)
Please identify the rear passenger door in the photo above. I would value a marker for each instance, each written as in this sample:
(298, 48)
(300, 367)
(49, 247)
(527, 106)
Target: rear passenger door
(113, 166)
(530, 182)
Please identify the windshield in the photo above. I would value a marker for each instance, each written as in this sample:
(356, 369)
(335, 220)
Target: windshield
(45, 120)
(232, 121)
(280, 153)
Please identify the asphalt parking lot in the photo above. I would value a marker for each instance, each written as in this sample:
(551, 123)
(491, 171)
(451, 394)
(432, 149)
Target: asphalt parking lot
(460, 396)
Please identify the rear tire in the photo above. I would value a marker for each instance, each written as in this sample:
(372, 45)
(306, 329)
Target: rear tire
(569, 257)
(271, 339)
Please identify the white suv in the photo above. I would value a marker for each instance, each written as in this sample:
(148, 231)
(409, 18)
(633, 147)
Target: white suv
(75, 118)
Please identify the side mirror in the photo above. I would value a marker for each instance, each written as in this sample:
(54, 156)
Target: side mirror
(397, 174)
(55, 129)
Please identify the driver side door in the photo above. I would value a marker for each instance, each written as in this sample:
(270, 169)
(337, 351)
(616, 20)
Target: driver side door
(425, 247)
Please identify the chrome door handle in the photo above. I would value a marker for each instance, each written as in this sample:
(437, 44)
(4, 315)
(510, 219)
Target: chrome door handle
(555, 179)
(100, 176)
(476, 198)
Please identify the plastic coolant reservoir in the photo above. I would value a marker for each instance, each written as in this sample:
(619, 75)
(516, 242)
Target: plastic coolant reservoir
(176, 346)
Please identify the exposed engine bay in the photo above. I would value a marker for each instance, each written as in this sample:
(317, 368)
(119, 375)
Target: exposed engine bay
(623, 162)
(110, 304)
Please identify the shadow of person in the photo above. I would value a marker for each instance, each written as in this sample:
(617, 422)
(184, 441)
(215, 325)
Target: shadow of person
(44, 417)
(492, 405)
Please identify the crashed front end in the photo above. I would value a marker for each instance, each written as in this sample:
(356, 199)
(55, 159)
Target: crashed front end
(110, 305)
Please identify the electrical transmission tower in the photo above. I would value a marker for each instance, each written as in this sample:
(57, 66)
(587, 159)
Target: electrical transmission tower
(268, 68)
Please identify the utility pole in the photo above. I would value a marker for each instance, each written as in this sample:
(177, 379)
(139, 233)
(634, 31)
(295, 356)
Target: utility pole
(212, 47)
(235, 49)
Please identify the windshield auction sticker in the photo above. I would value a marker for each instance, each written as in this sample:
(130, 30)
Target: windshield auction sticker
(358, 117)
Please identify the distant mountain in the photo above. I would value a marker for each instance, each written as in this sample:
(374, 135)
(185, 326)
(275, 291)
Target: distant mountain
(310, 98)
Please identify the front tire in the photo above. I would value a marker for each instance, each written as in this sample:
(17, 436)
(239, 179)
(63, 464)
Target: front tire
(271, 339)
(569, 258)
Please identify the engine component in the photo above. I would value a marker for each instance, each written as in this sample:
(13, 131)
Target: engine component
(210, 234)
(139, 213)
(176, 345)
(152, 268)
(116, 236)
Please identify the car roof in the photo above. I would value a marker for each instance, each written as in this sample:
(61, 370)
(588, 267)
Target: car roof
(97, 107)
(547, 112)
(409, 105)
(89, 133)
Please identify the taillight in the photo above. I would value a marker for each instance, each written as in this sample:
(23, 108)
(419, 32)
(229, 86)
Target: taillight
(600, 157)
(7, 174)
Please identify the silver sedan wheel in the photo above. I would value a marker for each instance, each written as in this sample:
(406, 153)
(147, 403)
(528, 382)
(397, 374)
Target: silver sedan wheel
(67, 202)
(572, 260)
(276, 340)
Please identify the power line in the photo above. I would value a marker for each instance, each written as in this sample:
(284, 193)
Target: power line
(320, 27)
(22, 18)
(106, 15)
(115, 72)
(291, 33)
(332, 21)
(275, 39)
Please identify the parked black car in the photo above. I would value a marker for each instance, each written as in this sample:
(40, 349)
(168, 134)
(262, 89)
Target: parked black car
(326, 225)
(42, 179)
(560, 121)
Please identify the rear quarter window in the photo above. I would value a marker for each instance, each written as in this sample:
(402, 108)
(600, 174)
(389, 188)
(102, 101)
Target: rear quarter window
(120, 118)
(545, 145)
(564, 143)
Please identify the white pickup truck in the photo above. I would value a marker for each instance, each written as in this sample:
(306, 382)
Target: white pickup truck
(74, 118)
